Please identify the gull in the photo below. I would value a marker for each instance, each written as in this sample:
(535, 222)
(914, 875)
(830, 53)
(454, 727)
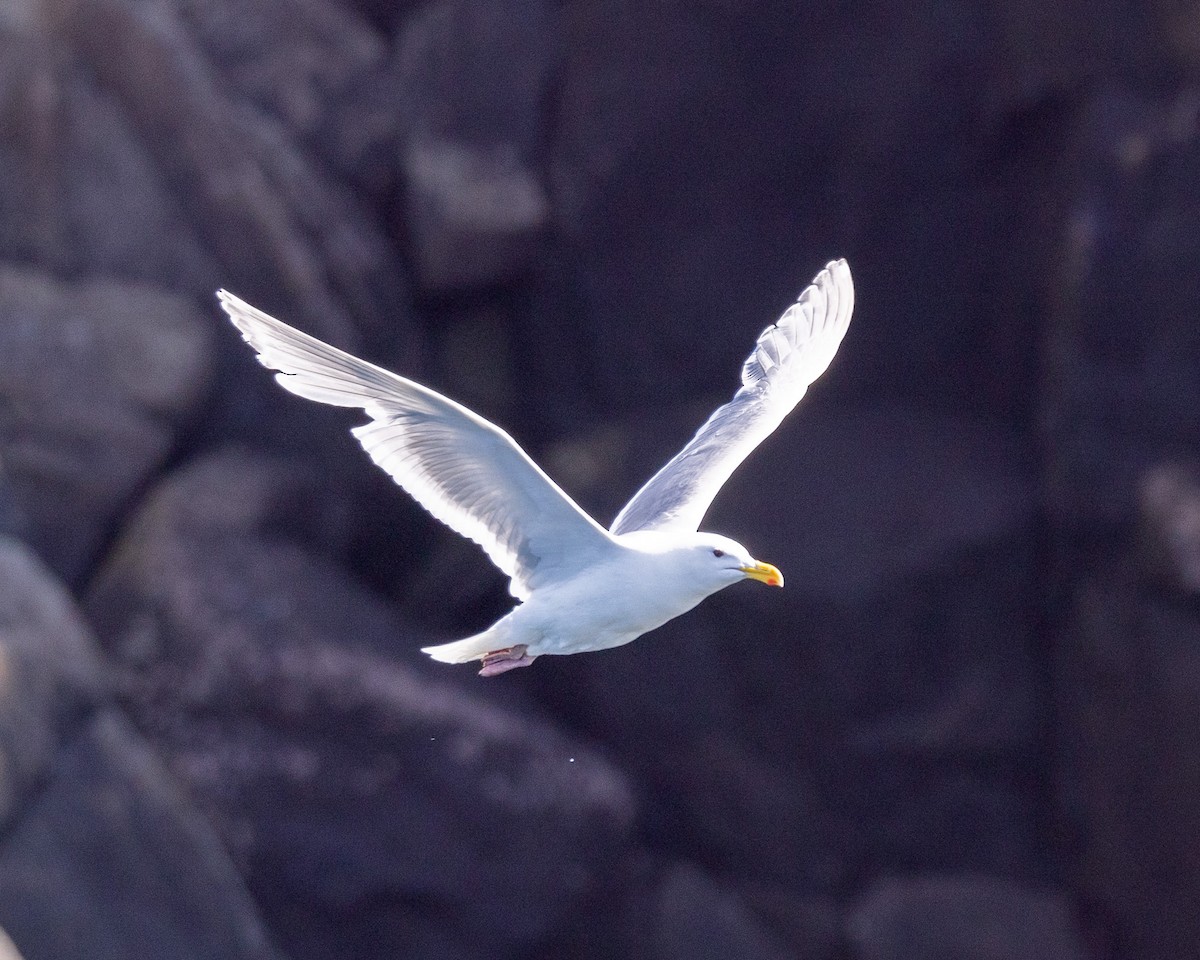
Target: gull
(581, 587)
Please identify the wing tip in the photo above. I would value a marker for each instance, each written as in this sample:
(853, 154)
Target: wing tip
(816, 321)
(242, 315)
(836, 284)
(266, 334)
(231, 303)
(835, 273)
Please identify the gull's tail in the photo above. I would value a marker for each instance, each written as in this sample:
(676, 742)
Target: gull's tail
(464, 651)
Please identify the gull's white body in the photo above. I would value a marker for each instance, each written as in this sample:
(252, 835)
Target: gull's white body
(583, 588)
(610, 601)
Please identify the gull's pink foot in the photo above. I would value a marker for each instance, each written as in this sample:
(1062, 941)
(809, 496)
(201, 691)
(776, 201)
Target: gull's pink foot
(501, 661)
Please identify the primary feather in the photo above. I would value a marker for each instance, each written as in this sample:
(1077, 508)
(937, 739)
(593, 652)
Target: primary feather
(467, 472)
(789, 355)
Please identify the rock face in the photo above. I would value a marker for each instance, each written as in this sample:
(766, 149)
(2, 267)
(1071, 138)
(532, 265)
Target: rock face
(102, 855)
(674, 911)
(304, 76)
(86, 197)
(1128, 775)
(53, 674)
(961, 918)
(471, 128)
(254, 197)
(99, 379)
(368, 803)
(1170, 527)
(1122, 394)
(1122, 425)
(112, 861)
(707, 163)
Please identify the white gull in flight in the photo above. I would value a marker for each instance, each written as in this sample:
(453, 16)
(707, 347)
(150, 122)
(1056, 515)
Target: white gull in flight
(582, 587)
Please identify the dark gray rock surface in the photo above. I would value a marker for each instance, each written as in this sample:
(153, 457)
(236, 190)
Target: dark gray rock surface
(53, 674)
(102, 855)
(84, 195)
(1121, 427)
(472, 78)
(1129, 701)
(99, 380)
(369, 803)
(278, 227)
(961, 917)
(111, 860)
(303, 76)
(1121, 388)
(1169, 527)
(675, 911)
(706, 163)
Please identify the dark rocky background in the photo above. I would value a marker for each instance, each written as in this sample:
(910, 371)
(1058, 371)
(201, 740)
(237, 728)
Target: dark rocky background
(970, 726)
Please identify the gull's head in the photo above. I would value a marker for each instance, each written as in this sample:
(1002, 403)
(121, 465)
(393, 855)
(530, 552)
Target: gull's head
(720, 561)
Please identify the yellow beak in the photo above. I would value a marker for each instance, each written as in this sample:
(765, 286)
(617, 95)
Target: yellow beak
(764, 573)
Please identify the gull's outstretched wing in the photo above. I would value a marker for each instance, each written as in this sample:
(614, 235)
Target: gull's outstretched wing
(467, 472)
(789, 356)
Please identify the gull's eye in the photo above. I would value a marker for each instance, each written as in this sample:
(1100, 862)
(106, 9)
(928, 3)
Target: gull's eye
(718, 553)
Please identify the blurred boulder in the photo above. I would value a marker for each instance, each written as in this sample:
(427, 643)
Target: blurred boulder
(50, 673)
(812, 927)
(472, 78)
(110, 860)
(375, 804)
(961, 917)
(677, 911)
(99, 379)
(84, 194)
(1169, 510)
(474, 212)
(280, 230)
(1128, 701)
(298, 60)
(883, 709)
(705, 164)
(383, 15)
(1122, 414)
(320, 70)
(692, 915)
(131, 158)
(1123, 345)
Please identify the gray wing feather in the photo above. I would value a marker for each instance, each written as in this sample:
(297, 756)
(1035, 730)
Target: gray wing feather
(788, 356)
(465, 471)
